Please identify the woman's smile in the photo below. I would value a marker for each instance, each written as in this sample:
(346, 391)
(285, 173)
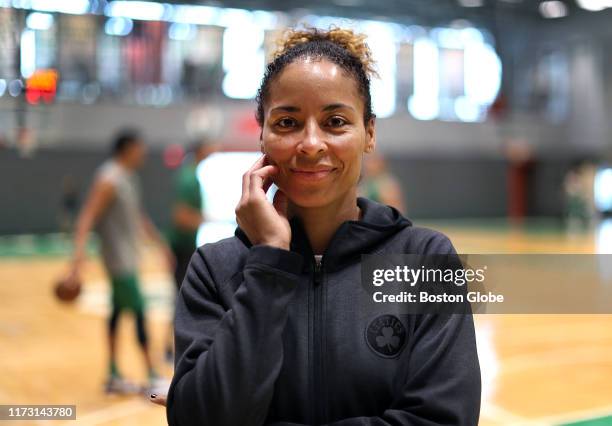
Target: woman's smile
(312, 174)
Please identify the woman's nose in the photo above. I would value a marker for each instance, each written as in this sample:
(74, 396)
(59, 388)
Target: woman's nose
(313, 140)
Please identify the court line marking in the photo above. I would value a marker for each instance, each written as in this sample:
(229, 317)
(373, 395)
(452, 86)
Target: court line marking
(499, 414)
(579, 415)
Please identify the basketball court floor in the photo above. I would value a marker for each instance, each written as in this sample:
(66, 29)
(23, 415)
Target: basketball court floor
(544, 370)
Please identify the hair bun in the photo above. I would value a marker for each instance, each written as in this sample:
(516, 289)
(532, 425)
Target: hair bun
(353, 42)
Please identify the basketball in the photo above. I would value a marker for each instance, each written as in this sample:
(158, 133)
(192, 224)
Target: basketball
(67, 290)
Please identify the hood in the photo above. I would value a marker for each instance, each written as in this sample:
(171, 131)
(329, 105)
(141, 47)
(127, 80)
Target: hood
(352, 239)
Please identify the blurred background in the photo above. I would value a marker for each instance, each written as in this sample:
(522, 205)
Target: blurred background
(493, 126)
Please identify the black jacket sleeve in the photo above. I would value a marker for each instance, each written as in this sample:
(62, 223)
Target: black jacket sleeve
(228, 360)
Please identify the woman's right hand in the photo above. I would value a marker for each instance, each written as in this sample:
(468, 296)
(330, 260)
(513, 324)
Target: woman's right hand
(262, 222)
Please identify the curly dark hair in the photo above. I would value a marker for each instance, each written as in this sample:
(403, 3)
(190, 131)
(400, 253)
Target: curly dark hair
(343, 47)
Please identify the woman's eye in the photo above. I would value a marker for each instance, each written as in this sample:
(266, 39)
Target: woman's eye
(285, 123)
(336, 121)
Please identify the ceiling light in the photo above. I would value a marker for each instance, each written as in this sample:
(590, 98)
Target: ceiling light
(553, 9)
(39, 21)
(471, 3)
(594, 5)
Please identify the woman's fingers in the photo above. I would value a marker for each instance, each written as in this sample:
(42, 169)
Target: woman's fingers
(260, 178)
(263, 223)
(158, 399)
(246, 177)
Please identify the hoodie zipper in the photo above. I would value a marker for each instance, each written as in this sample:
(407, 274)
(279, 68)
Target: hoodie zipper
(319, 389)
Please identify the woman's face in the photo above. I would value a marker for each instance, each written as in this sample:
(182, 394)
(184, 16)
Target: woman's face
(314, 132)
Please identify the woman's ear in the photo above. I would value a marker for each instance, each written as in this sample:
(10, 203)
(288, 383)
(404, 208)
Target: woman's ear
(261, 145)
(370, 144)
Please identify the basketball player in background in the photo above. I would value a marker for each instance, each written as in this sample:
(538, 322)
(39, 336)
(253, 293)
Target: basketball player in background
(379, 185)
(113, 208)
(187, 216)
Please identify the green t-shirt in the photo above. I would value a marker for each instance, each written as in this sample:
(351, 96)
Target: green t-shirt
(186, 191)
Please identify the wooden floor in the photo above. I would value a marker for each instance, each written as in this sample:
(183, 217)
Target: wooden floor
(537, 369)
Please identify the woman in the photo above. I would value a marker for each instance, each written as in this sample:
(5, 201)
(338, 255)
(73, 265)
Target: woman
(272, 325)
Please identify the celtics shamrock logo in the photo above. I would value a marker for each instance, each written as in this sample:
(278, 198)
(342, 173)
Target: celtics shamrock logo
(388, 339)
(386, 336)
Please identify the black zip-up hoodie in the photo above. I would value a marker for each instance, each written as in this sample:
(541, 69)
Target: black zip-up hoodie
(265, 336)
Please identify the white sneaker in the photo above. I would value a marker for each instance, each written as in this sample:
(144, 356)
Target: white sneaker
(119, 386)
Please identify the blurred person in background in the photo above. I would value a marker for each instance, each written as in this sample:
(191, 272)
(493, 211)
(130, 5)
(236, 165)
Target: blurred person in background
(113, 207)
(579, 192)
(521, 167)
(187, 215)
(379, 185)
